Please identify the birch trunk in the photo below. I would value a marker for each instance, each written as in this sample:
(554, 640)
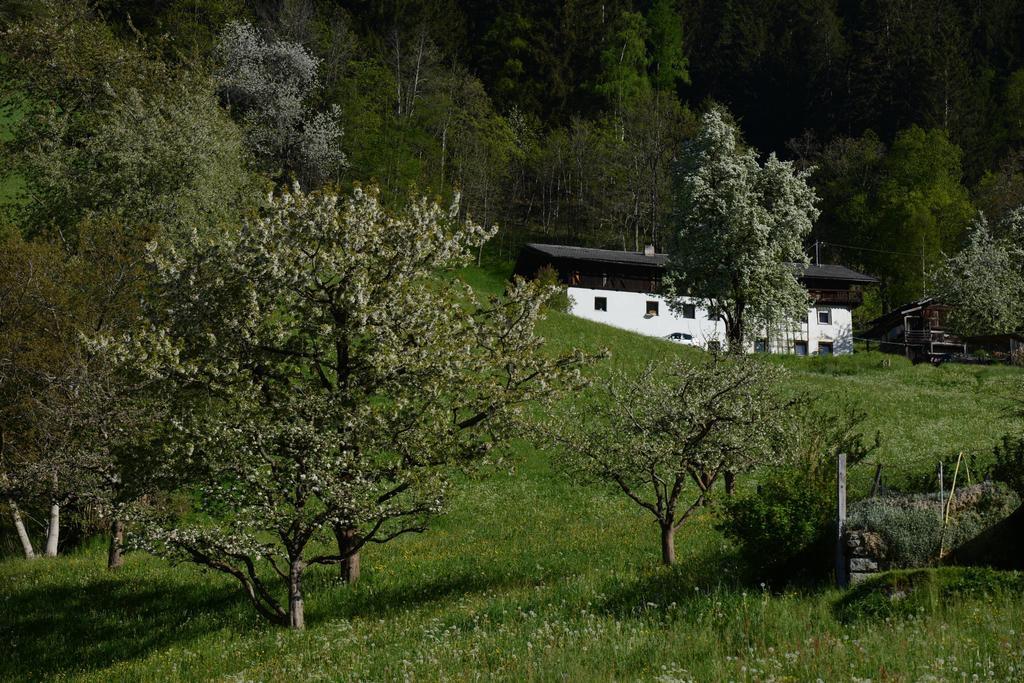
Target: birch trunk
(19, 526)
(53, 532)
(115, 557)
(296, 606)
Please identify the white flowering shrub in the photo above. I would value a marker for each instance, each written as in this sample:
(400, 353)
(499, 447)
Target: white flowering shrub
(271, 84)
(329, 376)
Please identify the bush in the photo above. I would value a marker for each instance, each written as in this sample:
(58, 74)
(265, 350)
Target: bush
(901, 594)
(1009, 463)
(911, 526)
(783, 531)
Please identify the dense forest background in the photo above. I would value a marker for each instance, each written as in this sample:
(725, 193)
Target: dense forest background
(559, 120)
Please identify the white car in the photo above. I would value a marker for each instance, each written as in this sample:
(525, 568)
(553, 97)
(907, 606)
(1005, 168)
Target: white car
(681, 338)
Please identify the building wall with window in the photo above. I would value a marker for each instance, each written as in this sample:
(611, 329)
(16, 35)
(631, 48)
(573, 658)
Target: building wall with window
(630, 311)
(827, 329)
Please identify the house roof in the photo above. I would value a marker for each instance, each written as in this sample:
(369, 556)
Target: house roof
(898, 313)
(827, 271)
(634, 258)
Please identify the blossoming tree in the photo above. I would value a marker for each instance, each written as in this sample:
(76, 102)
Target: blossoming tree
(331, 374)
(740, 227)
(665, 437)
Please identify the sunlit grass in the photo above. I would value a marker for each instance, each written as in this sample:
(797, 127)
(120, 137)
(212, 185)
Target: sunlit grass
(531, 577)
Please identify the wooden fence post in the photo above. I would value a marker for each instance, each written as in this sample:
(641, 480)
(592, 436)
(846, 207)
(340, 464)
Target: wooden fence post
(842, 579)
(877, 485)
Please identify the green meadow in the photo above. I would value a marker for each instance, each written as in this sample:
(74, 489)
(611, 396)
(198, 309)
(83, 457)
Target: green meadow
(530, 576)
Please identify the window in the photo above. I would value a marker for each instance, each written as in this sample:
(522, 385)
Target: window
(824, 348)
(689, 311)
(652, 309)
(600, 303)
(800, 348)
(824, 316)
(760, 346)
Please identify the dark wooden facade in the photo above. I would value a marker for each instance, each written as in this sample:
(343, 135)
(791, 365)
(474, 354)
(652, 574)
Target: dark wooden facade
(642, 272)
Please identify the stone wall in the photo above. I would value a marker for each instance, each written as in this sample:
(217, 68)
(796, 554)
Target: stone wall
(863, 555)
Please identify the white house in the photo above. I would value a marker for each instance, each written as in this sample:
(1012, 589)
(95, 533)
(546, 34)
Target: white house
(620, 288)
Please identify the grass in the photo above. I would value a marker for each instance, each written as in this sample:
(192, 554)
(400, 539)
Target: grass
(530, 577)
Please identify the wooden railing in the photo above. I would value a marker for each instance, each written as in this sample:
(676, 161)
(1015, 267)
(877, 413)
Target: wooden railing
(929, 337)
(843, 297)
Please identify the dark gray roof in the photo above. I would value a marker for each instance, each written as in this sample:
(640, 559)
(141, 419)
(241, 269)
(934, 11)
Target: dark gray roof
(827, 271)
(897, 314)
(819, 272)
(632, 258)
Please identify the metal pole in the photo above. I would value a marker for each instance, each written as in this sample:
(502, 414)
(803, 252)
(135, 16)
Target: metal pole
(842, 580)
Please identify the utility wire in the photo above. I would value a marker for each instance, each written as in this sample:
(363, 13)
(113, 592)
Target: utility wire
(877, 251)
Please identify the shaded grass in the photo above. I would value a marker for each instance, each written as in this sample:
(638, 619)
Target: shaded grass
(531, 577)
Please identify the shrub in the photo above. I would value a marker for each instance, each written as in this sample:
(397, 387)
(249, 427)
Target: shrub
(784, 531)
(911, 526)
(901, 594)
(1009, 463)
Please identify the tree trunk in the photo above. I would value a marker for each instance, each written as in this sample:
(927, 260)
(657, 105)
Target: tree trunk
(115, 558)
(730, 483)
(19, 526)
(668, 544)
(347, 540)
(734, 328)
(296, 606)
(53, 532)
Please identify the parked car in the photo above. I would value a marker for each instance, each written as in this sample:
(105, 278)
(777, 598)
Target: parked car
(681, 338)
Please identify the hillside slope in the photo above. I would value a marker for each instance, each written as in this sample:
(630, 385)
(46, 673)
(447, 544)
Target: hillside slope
(530, 577)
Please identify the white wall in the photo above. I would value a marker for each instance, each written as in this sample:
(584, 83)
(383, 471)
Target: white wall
(627, 310)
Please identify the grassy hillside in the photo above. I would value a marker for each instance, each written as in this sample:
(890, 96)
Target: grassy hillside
(530, 577)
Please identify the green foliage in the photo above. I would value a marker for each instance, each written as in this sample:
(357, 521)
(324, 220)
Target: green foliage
(900, 208)
(1008, 467)
(665, 34)
(984, 284)
(547, 276)
(623, 79)
(923, 592)
(784, 529)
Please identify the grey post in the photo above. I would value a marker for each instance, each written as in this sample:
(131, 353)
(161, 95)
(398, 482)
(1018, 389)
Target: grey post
(842, 579)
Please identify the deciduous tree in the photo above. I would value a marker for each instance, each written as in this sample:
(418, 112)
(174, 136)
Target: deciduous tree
(739, 227)
(330, 377)
(663, 438)
(984, 282)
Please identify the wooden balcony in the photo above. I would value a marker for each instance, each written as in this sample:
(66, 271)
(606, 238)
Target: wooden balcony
(839, 297)
(929, 337)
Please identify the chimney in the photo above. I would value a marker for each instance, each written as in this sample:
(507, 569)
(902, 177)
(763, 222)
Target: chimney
(649, 250)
